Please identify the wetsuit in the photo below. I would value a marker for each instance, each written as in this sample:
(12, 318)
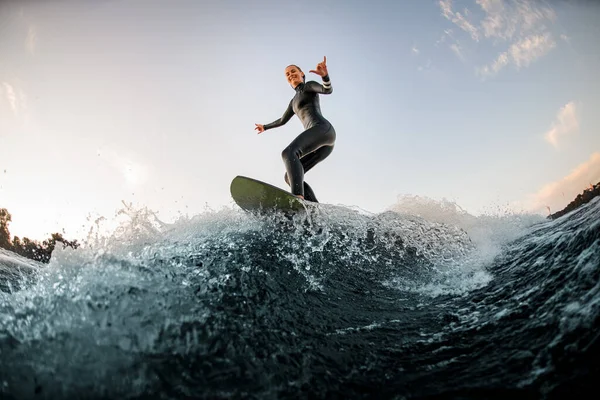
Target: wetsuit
(314, 144)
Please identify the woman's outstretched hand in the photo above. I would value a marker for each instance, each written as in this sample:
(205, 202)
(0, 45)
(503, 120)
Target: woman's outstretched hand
(260, 128)
(321, 68)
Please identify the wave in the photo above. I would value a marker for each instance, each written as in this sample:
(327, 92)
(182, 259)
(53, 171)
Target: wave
(421, 300)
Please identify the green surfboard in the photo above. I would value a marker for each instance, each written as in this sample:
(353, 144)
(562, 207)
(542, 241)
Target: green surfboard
(260, 197)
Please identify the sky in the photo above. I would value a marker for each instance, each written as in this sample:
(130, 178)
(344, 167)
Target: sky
(491, 104)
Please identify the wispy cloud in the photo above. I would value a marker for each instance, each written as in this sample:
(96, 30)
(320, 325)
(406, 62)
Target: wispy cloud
(458, 50)
(531, 48)
(459, 19)
(447, 34)
(31, 40)
(566, 124)
(13, 105)
(558, 194)
(520, 54)
(11, 97)
(507, 19)
(521, 24)
(415, 50)
(425, 67)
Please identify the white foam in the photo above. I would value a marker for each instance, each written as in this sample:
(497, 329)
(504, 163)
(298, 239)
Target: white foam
(489, 233)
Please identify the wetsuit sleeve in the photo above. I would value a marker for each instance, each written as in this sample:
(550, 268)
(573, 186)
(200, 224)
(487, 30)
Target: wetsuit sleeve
(289, 113)
(315, 87)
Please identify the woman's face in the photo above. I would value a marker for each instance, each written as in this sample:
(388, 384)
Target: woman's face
(294, 75)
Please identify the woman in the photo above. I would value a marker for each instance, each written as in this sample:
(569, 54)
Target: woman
(316, 142)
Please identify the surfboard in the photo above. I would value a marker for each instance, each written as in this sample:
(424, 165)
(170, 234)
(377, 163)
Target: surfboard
(259, 197)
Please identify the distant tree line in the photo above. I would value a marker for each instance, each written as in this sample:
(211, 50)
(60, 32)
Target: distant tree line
(581, 199)
(26, 247)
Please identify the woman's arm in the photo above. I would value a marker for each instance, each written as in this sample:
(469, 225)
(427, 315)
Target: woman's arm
(321, 70)
(325, 88)
(287, 115)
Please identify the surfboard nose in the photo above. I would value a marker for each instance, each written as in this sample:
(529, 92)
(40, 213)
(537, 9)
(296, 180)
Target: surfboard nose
(253, 195)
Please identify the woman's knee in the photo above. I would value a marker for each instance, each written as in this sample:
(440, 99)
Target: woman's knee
(289, 153)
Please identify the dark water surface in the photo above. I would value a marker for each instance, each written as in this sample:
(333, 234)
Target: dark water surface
(337, 304)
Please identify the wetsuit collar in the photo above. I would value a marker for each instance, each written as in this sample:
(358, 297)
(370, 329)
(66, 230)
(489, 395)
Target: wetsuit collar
(299, 87)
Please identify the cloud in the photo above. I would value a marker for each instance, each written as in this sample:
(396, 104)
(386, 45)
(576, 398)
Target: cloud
(415, 50)
(521, 24)
(447, 34)
(558, 194)
(505, 19)
(11, 97)
(17, 99)
(458, 19)
(520, 54)
(457, 49)
(531, 48)
(13, 108)
(425, 67)
(30, 42)
(566, 124)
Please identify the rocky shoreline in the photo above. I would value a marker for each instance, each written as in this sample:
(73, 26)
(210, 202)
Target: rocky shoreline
(581, 199)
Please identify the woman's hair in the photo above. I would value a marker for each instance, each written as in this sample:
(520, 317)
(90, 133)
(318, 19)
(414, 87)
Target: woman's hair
(299, 69)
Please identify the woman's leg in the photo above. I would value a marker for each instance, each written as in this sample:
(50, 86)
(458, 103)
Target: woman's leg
(308, 149)
(308, 192)
(309, 161)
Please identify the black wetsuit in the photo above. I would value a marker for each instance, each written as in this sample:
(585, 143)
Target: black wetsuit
(314, 144)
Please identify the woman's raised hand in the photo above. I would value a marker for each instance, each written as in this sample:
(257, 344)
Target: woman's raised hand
(260, 128)
(321, 68)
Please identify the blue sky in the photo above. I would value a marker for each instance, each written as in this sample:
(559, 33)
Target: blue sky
(487, 103)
